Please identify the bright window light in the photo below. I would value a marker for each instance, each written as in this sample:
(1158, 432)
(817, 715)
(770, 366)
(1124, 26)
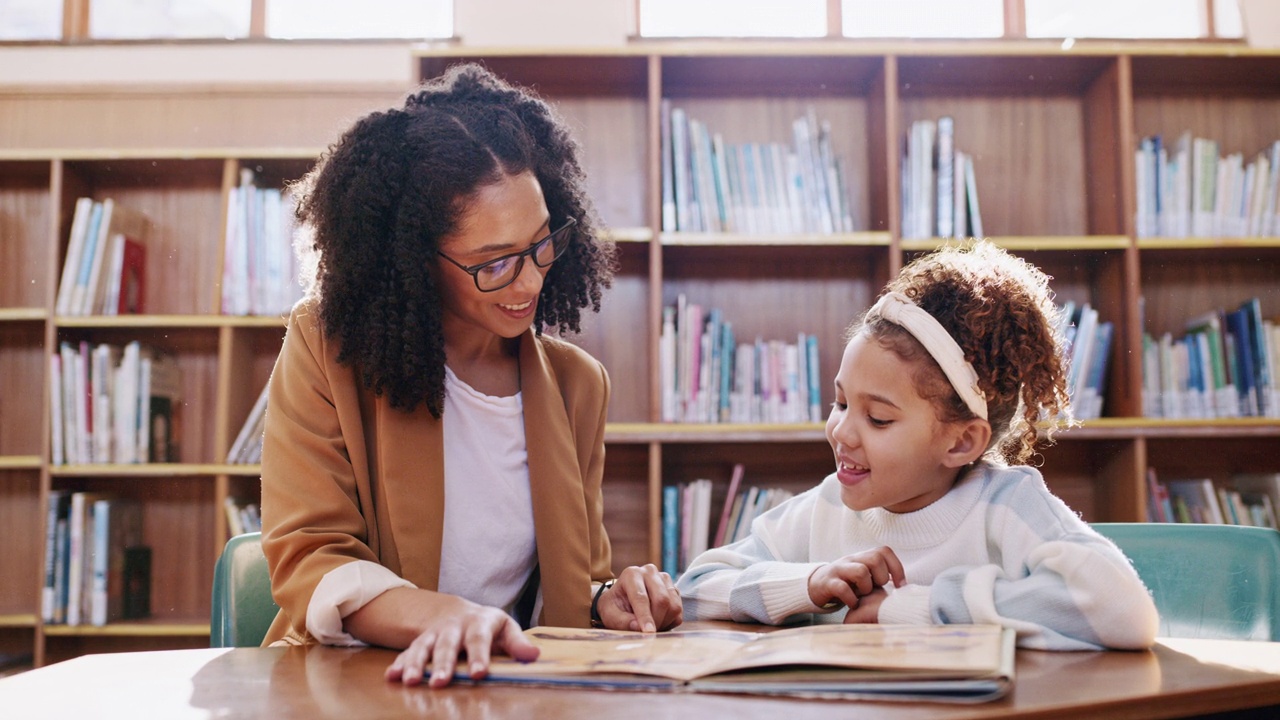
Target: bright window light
(1226, 19)
(923, 18)
(176, 19)
(733, 18)
(342, 19)
(30, 20)
(1115, 18)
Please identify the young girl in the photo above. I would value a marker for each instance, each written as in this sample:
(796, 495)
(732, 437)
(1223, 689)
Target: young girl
(923, 522)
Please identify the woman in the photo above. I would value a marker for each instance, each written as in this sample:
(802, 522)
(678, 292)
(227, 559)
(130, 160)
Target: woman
(432, 462)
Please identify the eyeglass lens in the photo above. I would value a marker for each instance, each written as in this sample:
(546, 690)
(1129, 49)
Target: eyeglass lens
(502, 271)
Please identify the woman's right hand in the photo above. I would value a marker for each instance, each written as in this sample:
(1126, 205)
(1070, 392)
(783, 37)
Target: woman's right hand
(442, 628)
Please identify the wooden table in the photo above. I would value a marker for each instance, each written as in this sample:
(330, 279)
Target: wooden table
(1178, 678)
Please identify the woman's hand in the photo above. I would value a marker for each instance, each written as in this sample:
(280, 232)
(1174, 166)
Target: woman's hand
(643, 599)
(844, 581)
(436, 630)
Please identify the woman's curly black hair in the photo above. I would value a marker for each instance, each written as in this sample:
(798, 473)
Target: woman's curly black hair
(1000, 310)
(374, 208)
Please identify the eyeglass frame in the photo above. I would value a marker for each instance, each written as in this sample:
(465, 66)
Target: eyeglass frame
(529, 252)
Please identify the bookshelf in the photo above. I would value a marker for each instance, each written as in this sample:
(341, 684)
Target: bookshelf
(1052, 131)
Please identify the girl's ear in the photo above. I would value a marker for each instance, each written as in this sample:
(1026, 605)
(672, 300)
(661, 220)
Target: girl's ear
(970, 440)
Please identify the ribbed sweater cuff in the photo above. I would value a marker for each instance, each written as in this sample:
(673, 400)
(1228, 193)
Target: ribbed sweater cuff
(784, 588)
(907, 605)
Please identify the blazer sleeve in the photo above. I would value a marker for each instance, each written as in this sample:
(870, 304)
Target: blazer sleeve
(312, 522)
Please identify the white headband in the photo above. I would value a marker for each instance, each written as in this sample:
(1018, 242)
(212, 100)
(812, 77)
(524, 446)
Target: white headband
(899, 310)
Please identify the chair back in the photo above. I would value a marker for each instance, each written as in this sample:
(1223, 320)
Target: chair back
(1208, 581)
(242, 604)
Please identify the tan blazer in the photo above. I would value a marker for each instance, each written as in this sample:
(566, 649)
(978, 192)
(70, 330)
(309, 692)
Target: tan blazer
(346, 477)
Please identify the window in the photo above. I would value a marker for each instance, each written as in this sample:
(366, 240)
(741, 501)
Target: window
(334, 19)
(27, 20)
(923, 18)
(1115, 19)
(30, 20)
(733, 18)
(157, 19)
(939, 18)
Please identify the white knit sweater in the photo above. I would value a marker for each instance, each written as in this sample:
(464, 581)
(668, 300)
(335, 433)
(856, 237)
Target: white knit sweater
(998, 548)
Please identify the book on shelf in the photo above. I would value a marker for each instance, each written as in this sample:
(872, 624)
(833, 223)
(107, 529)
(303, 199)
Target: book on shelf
(126, 288)
(242, 517)
(160, 436)
(75, 251)
(81, 554)
(137, 582)
(1260, 492)
(940, 663)
(1159, 504)
(731, 494)
(57, 514)
(247, 448)
(117, 526)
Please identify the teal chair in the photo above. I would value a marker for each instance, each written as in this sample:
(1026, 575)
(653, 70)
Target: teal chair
(242, 604)
(1208, 581)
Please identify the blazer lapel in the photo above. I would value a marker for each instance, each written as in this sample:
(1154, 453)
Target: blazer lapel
(409, 460)
(555, 479)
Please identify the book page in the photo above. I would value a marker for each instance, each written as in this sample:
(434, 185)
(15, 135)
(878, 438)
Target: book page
(962, 649)
(681, 655)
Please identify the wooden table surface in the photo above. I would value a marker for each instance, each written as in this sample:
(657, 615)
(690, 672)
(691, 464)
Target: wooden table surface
(1178, 678)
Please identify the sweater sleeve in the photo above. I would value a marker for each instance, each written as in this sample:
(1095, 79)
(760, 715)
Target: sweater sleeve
(762, 578)
(1056, 581)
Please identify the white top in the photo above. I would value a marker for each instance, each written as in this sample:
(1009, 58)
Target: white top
(998, 548)
(489, 548)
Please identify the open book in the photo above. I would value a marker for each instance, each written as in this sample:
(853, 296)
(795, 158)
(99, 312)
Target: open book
(946, 663)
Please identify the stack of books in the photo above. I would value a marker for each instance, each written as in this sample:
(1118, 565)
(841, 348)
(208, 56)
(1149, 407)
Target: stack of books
(708, 377)
(260, 274)
(104, 272)
(1192, 190)
(710, 186)
(939, 188)
(96, 568)
(112, 404)
(1224, 366)
(687, 522)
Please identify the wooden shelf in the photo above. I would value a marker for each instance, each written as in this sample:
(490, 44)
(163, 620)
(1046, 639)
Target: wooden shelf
(21, 462)
(133, 628)
(862, 239)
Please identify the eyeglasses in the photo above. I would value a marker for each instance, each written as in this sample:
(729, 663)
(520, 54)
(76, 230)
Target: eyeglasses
(500, 272)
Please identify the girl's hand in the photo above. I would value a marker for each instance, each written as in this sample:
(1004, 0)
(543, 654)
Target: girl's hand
(643, 599)
(844, 581)
(475, 631)
(868, 609)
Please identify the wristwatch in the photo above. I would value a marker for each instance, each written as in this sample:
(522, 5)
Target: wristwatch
(596, 622)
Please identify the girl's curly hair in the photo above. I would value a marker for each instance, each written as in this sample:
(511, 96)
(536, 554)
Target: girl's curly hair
(1000, 310)
(374, 208)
